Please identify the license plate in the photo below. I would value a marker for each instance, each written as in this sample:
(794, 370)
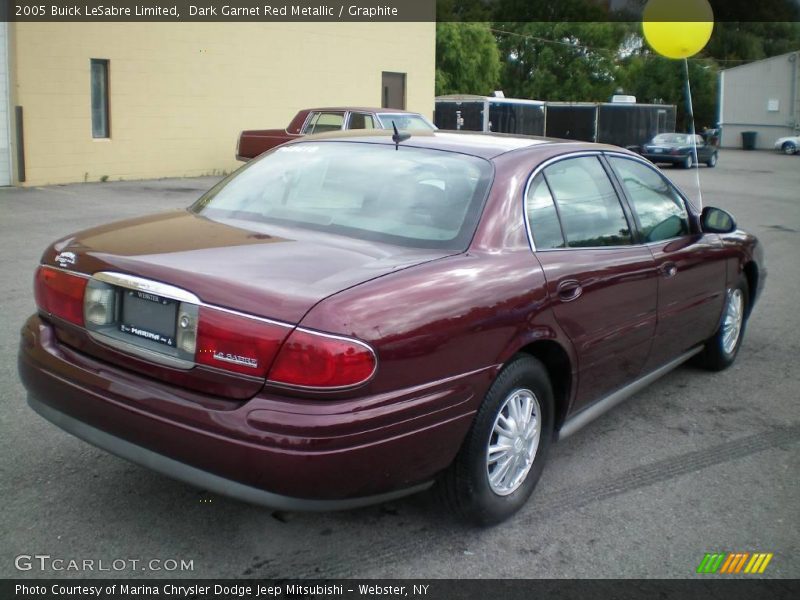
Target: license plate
(148, 316)
(657, 150)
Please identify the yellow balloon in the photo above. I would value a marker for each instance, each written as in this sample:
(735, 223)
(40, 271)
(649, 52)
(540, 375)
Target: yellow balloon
(677, 28)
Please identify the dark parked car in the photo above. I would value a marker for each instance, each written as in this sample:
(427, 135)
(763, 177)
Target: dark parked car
(350, 319)
(677, 149)
(310, 121)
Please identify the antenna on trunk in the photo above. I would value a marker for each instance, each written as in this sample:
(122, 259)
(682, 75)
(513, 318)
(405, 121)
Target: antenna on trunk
(399, 137)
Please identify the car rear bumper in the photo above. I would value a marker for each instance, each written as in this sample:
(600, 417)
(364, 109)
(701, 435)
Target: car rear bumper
(283, 453)
(198, 477)
(665, 158)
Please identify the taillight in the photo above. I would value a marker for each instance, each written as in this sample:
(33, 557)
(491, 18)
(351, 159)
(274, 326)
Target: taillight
(317, 360)
(203, 335)
(237, 343)
(60, 293)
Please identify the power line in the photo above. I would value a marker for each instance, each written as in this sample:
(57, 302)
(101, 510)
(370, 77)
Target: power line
(609, 52)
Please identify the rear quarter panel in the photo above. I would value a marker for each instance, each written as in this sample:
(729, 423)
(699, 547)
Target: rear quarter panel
(456, 315)
(440, 320)
(254, 143)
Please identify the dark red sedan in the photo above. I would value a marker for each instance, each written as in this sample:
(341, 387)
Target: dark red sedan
(350, 319)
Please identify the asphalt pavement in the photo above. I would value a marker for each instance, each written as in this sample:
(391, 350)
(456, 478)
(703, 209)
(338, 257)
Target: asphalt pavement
(695, 463)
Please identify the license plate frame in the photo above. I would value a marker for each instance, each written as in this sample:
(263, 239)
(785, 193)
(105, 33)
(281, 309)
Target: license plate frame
(148, 316)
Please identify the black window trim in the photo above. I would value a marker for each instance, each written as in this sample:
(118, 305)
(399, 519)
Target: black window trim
(558, 211)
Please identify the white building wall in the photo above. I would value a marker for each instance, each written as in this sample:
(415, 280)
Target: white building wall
(5, 109)
(761, 97)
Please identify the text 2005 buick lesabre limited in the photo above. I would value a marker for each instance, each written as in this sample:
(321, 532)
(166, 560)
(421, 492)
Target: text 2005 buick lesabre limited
(350, 319)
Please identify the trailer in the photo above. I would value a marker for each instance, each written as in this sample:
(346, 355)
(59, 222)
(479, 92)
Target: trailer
(485, 113)
(625, 124)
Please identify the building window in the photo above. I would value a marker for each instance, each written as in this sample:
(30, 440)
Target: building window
(99, 76)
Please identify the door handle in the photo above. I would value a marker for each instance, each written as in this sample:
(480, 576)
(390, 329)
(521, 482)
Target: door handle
(569, 290)
(668, 269)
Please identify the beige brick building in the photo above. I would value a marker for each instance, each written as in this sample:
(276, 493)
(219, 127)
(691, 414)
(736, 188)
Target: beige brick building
(94, 101)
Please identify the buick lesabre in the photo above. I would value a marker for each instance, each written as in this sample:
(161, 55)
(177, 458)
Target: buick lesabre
(348, 319)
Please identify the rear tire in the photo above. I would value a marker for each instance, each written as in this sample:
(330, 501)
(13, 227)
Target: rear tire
(721, 349)
(494, 474)
(788, 148)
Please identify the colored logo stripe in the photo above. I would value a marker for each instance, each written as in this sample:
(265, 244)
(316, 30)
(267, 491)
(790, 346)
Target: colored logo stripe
(710, 563)
(734, 562)
(758, 563)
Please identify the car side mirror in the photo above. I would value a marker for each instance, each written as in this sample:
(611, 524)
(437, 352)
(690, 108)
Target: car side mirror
(716, 220)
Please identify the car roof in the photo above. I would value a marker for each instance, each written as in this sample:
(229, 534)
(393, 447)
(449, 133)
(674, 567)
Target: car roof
(371, 109)
(484, 145)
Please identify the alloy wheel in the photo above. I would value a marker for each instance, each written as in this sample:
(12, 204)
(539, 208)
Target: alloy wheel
(513, 442)
(732, 322)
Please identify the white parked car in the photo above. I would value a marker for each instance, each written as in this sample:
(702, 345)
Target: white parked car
(788, 145)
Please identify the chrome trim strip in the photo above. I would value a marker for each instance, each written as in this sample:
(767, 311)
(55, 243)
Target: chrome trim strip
(600, 407)
(175, 293)
(76, 273)
(302, 131)
(133, 282)
(144, 353)
(198, 477)
(329, 388)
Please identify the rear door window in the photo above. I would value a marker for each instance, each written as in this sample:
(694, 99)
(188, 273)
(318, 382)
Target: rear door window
(590, 211)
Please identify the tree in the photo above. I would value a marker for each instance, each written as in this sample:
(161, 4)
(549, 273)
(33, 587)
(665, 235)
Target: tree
(655, 79)
(572, 61)
(737, 43)
(467, 59)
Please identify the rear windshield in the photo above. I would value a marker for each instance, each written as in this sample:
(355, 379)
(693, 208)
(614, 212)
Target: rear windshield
(407, 196)
(404, 121)
(671, 138)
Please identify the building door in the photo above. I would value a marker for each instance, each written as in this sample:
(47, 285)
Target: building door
(5, 146)
(393, 87)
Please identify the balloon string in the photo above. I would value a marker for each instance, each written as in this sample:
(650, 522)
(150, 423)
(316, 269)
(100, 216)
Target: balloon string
(696, 164)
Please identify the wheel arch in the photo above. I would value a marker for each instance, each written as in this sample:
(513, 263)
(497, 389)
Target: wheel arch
(559, 366)
(750, 271)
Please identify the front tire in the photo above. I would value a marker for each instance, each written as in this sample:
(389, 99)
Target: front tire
(504, 452)
(688, 162)
(789, 148)
(721, 349)
(712, 162)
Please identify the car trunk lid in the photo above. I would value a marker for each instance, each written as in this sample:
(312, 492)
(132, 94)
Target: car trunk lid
(257, 270)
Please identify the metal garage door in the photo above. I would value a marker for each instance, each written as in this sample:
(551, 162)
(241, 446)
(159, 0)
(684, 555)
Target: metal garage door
(5, 147)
